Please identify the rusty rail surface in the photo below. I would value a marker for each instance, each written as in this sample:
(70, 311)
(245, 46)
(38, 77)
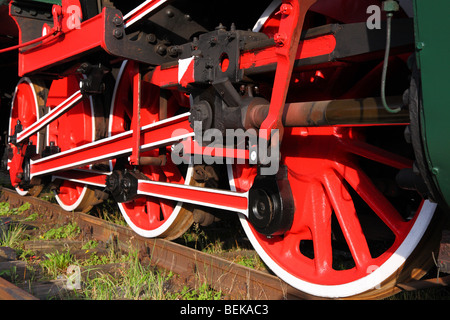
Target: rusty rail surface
(234, 280)
(9, 291)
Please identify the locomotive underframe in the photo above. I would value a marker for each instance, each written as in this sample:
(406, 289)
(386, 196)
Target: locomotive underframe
(209, 67)
(250, 54)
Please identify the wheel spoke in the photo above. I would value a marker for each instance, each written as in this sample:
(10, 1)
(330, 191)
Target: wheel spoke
(172, 173)
(167, 207)
(153, 210)
(344, 209)
(371, 152)
(290, 244)
(361, 183)
(321, 229)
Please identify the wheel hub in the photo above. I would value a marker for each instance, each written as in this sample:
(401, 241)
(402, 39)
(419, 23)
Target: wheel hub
(271, 205)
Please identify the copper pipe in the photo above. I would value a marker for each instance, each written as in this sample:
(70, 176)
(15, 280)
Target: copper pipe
(160, 160)
(331, 112)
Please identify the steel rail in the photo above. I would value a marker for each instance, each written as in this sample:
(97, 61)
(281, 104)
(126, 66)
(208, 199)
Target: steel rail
(234, 280)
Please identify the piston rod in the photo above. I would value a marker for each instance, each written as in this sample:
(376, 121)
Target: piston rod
(367, 111)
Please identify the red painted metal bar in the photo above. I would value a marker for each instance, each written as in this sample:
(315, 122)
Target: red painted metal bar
(58, 111)
(136, 121)
(152, 136)
(69, 45)
(140, 11)
(291, 24)
(227, 200)
(90, 177)
(165, 77)
(191, 147)
(215, 198)
(168, 76)
(308, 48)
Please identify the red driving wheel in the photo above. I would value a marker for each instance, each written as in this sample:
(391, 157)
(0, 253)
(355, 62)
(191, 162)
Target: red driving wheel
(354, 233)
(27, 107)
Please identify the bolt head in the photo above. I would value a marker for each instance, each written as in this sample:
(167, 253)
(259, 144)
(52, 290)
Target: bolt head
(118, 33)
(286, 9)
(280, 39)
(117, 21)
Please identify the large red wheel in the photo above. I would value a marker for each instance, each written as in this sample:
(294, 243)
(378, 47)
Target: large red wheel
(75, 128)
(354, 233)
(27, 107)
(149, 216)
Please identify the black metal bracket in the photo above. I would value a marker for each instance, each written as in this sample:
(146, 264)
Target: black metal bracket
(93, 83)
(123, 185)
(153, 41)
(17, 129)
(217, 53)
(31, 16)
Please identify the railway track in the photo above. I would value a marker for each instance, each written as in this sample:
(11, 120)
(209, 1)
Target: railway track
(233, 280)
(9, 291)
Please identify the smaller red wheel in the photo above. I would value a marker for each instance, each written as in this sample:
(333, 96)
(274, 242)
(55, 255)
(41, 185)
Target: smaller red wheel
(149, 216)
(74, 128)
(27, 107)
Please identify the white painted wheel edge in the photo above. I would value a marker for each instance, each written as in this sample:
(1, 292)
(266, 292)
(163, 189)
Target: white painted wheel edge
(28, 80)
(74, 206)
(165, 226)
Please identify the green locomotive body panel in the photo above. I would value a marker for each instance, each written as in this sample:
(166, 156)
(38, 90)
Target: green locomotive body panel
(433, 50)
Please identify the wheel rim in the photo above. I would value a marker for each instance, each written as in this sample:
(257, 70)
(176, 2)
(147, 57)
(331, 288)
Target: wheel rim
(148, 216)
(327, 184)
(74, 128)
(26, 108)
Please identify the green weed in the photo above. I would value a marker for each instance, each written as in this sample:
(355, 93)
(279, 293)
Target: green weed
(13, 237)
(204, 292)
(6, 210)
(68, 231)
(57, 263)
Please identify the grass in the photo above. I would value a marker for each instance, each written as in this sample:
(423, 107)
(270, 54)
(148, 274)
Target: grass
(68, 231)
(133, 281)
(222, 241)
(14, 236)
(5, 209)
(57, 263)
(141, 282)
(108, 211)
(203, 292)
